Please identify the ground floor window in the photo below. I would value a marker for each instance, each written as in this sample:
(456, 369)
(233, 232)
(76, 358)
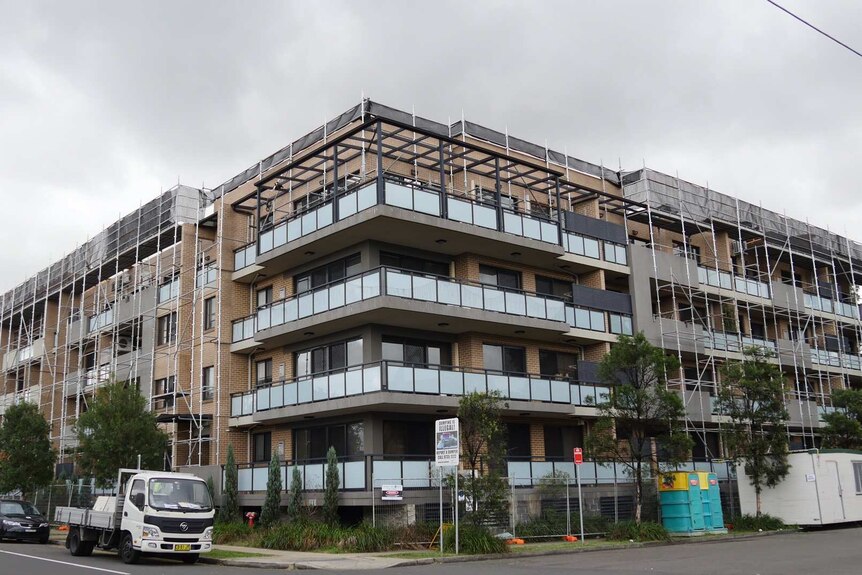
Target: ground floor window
(312, 443)
(408, 438)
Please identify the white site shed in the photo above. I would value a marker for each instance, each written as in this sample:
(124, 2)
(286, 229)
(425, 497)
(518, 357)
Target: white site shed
(822, 488)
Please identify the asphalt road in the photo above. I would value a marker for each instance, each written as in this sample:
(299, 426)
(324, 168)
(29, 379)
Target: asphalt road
(834, 552)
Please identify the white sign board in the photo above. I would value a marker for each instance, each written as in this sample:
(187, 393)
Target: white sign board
(447, 442)
(392, 492)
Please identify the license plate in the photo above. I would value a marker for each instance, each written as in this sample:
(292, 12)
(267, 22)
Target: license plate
(30, 531)
(183, 547)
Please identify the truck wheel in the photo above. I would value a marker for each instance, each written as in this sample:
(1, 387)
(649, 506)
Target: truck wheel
(128, 553)
(76, 546)
(190, 559)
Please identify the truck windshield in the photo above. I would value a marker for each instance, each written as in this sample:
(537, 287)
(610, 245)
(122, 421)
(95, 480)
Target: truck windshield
(188, 495)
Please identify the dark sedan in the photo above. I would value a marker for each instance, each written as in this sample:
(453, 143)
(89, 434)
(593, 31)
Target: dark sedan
(20, 520)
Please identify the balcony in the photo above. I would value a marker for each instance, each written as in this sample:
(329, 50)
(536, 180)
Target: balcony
(828, 305)
(357, 473)
(30, 395)
(455, 299)
(31, 352)
(100, 320)
(243, 328)
(457, 217)
(408, 379)
(735, 342)
(836, 359)
(725, 280)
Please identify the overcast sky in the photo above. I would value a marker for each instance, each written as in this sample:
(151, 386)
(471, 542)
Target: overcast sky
(104, 104)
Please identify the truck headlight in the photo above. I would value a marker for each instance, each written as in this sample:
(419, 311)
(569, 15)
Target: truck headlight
(8, 523)
(150, 532)
(208, 534)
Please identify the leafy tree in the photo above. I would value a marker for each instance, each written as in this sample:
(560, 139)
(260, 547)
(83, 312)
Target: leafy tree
(639, 410)
(26, 456)
(115, 430)
(330, 495)
(752, 396)
(271, 511)
(229, 510)
(294, 501)
(483, 440)
(844, 426)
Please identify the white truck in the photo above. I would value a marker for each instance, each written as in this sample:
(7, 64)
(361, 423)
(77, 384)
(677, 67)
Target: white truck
(154, 512)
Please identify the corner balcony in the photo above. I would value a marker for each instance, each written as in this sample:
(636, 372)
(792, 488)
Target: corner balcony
(400, 298)
(393, 383)
(420, 216)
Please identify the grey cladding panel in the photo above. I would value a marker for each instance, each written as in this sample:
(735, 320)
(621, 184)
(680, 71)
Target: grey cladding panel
(602, 299)
(596, 228)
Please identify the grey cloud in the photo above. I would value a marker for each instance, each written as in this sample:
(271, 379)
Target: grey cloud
(104, 104)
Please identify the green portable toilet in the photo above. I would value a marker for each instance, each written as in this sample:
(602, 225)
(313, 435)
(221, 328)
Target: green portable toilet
(681, 502)
(714, 495)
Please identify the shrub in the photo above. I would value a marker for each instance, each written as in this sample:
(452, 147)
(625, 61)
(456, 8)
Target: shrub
(754, 523)
(632, 531)
(554, 524)
(225, 533)
(473, 540)
(313, 535)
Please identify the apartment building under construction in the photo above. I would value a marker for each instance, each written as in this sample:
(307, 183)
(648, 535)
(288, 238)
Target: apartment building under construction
(348, 289)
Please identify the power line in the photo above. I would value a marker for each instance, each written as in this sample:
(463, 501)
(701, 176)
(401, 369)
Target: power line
(813, 27)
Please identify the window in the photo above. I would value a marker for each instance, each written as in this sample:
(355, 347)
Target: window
(330, 357)
(558, 364)
(857, 474)
(312, 443)
(620, 324)
(167, 329)
(207, 382)
(414, 264)
(504, 358)
(169, 290)
(264, 297)
(209, 313)
(687, 251)
(416, 352)
(518, 440)
(560, 440)
(506, 279)
(554, 287)
(408, 437)
(263, 371)
(262, 446)
(615, 253)
(165, 391)
(138, 488)
(331, 272)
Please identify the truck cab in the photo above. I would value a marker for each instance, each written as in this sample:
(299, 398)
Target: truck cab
(154, 512)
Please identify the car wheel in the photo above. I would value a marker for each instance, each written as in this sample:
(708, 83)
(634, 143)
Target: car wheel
(190, 559)
(128, 553)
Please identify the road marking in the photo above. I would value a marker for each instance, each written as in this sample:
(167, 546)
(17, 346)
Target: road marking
(65, 563)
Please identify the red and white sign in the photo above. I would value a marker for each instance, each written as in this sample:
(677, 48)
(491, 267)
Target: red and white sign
(579, 455)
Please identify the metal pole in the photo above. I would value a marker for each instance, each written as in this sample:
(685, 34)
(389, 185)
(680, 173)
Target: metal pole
(139, 461)
(440, 470)
(512, 480)
(456, 510)
(373, 506)
(568, 512)
(580, 502)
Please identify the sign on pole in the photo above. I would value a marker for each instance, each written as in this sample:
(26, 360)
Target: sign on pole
(447, 442)
(579, 459)
(579, 455)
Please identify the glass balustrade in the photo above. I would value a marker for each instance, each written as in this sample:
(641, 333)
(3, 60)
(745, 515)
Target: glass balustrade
(244, 256)
(243, 329)
(728, 281)
(401, 378)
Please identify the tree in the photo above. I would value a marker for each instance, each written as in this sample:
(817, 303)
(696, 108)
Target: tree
(294, 500)
(638, 410)
(115, 430)
(483, 440)
(26, 456)
(271, 511)
(229, 510)
(751, 395)
(844, 426)
(330, 495)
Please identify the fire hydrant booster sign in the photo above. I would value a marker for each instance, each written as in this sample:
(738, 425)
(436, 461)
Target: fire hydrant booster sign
(447, 442)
